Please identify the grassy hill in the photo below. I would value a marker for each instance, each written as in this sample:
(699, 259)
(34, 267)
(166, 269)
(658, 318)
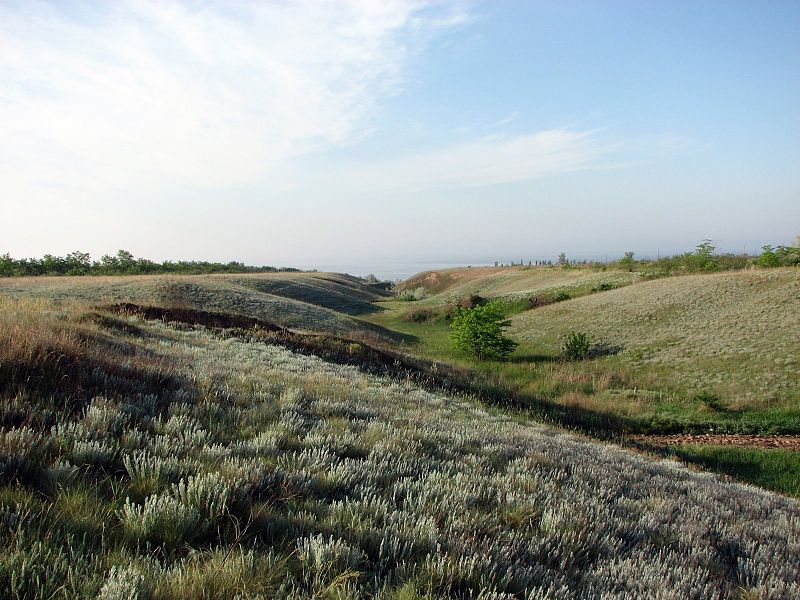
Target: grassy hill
(144, 460)
(732, 334)
(692, 352)
(319, 302)
(512, 283)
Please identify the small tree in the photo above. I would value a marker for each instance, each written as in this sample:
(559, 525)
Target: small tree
(703, 257)
(627, 262)
(576, 345)
(479, 332)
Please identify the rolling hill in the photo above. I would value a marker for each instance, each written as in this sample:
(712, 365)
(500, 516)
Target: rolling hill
(734, 334)
(320, 302)
(512, 283)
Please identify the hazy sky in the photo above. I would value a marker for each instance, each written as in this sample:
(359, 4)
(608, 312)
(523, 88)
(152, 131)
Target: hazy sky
(349, 133)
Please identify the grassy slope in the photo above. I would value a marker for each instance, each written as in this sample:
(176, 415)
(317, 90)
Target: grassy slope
(732, 334)
(511, 283)
(252, 470)
(307, 301)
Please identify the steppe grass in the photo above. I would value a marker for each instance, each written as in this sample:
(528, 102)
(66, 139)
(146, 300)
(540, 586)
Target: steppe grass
(665, 345)
(261, 473)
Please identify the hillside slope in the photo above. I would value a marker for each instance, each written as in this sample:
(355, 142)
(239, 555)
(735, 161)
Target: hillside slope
(303, 301)
(448, 285)
(732, 333)
(257, 472)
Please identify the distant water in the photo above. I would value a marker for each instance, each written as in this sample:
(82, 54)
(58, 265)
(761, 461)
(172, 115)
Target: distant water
(392, 270)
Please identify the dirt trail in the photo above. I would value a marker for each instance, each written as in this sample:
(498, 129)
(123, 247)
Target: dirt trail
(785, 442)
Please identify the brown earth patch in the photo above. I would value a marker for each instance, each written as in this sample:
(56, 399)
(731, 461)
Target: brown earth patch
(783, 442)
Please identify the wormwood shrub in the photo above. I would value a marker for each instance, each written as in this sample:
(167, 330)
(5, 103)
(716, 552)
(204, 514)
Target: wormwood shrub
(328, 557)
(163, 519)
(124, 583)
(209, 493)
(418, 293)
(576, 345)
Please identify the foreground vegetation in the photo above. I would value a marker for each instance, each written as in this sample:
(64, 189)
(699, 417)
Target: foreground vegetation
(148, 460)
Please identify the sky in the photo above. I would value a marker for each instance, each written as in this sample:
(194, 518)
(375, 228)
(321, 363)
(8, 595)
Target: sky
(362, 134)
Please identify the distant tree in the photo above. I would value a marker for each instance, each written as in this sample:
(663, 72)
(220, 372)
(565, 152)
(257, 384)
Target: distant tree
(478, 331)
(371, 278)
(562, 260)
(627, 262)
(782, 256)
(768, 258)
(703, 257)
(78, 263)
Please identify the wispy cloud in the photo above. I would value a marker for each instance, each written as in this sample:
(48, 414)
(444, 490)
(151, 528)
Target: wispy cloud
(488, 161)
(96, 97)
(506, 120)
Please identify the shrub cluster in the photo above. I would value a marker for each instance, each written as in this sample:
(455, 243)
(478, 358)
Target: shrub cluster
(411, 295)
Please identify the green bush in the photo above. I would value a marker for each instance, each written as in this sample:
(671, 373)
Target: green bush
(478, 331)
(576, 345)
(562, 296)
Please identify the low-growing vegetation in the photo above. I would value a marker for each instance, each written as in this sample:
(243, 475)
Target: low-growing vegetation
(182, 462)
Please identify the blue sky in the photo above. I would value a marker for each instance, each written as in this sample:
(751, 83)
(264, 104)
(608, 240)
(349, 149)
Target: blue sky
(356, 133)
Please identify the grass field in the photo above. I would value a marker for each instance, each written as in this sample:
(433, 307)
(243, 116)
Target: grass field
(145, 460)
(775, 469)
(304, 301)
(696, 352)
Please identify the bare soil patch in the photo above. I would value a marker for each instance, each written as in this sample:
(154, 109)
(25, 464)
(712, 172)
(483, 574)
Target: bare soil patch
(784, 442)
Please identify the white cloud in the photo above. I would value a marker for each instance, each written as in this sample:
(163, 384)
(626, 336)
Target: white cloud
(488, 161)
(106, 96)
